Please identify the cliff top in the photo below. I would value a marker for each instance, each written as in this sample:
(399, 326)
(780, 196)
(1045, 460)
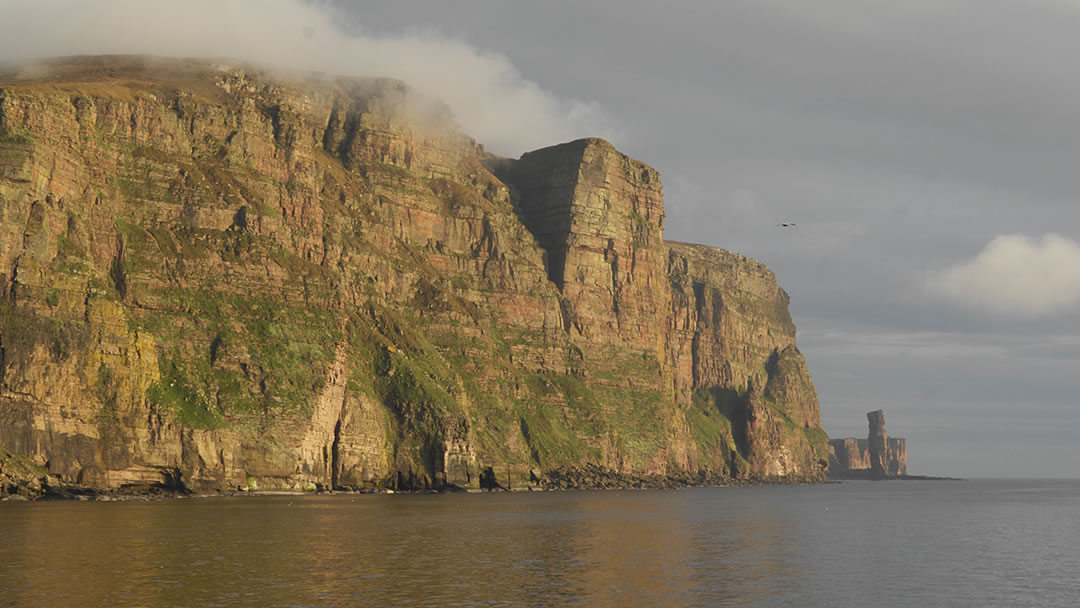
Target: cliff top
(720, 256)
(186, 73)
(217, 81)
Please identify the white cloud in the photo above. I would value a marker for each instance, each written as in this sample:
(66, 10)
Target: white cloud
(1015, 276)
(491, 99)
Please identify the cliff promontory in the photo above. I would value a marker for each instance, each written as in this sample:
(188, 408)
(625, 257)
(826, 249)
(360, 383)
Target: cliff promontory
(215, 277)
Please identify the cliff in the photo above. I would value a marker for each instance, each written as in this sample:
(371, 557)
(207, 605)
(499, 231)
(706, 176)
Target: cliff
(876, 457)
(215, 277)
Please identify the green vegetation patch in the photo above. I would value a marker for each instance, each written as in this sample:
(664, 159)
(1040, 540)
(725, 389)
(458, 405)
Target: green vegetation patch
(21, 138)
(637, 420)
(641, 230)
(71, 258)
(711, 427)
(17, 465)
(819, 442)
(187, 395)
(392, 361)
(562, 411)
(420, 402)
(227, 357)
(145, 178)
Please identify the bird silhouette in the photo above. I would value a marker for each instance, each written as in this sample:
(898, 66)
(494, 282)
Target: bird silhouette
(786, 224)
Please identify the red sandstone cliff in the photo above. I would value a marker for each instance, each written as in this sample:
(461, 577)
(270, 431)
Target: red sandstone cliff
(215, 277)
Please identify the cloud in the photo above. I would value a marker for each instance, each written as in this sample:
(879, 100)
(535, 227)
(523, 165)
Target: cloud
(1015, 277)
(490, 98)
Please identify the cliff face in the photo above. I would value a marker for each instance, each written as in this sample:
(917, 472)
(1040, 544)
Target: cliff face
(213, 277)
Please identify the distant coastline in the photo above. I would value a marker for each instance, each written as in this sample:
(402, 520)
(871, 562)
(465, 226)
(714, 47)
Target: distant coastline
(905, 477)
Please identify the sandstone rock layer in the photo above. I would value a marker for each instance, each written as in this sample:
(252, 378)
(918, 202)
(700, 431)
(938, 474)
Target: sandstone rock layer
(213, 277)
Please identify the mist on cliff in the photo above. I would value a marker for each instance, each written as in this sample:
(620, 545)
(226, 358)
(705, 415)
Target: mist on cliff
(491, 100)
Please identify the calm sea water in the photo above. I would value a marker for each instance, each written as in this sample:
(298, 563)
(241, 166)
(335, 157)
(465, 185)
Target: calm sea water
(913, 543)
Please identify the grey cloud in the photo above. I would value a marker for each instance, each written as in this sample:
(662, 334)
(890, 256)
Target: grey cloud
(1015, 276)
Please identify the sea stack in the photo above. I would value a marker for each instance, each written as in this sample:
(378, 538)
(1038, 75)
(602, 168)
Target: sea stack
(879, 444)
(876, 457)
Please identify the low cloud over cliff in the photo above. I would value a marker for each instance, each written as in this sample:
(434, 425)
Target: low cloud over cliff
(1015, 276)
(491, 99)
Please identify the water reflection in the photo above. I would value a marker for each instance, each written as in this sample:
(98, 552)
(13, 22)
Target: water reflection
(723, 546)
(551, 549)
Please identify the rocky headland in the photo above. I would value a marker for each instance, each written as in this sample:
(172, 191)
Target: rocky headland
(214, 277)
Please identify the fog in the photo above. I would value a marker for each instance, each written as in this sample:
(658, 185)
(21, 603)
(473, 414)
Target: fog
(492, 101)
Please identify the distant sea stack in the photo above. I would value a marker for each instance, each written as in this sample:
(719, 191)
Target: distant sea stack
(215, 277)
(876, 457)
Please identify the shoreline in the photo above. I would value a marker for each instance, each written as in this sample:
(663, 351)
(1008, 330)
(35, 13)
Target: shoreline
(50, 488)
(84, 494)
(159, 494)
(33, 483)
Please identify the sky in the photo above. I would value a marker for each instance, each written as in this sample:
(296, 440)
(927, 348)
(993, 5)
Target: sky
(925, 149)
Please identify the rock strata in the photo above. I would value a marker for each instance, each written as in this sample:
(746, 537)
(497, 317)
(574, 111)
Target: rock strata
(215, 278)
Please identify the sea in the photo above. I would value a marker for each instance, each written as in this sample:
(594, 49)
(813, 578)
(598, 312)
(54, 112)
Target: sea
(973, 543)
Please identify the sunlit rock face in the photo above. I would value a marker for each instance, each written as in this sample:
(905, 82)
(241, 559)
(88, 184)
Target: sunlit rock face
(214, 276)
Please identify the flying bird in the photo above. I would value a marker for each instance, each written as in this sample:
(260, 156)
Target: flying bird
(786, 224)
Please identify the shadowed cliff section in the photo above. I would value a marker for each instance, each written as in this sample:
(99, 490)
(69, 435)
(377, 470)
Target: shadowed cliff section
(599, 216)
(216, 277)
(546, 181)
